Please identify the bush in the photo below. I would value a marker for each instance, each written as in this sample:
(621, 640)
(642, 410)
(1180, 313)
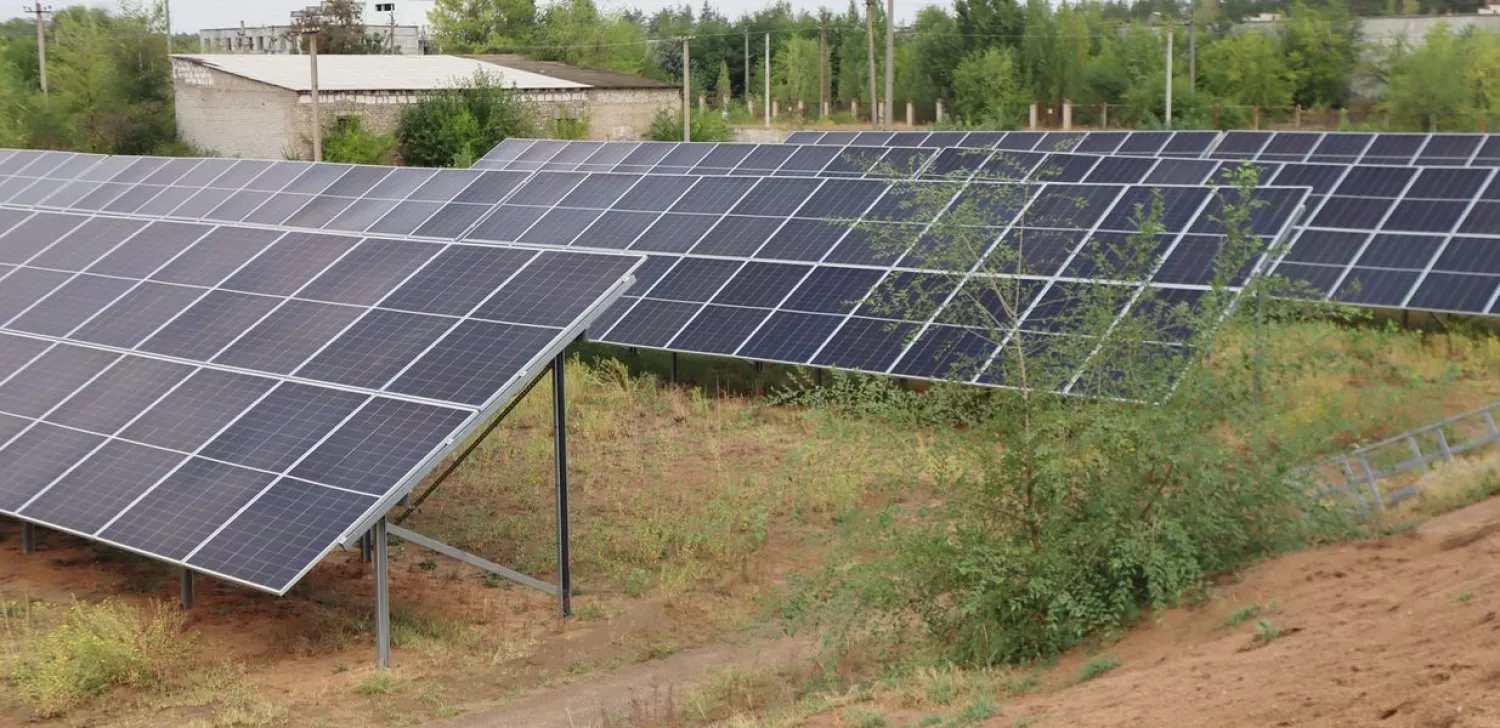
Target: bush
(348, 141)
(708, 126)
(456, 126)
(94, 648)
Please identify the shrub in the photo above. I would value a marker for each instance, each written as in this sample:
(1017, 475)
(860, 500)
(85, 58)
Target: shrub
(458, 125)
(94, 648)
(348, 141)
(708, 126)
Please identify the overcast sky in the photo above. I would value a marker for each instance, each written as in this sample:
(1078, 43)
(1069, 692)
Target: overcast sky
(189, 16)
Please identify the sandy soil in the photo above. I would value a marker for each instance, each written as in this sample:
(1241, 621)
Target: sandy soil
(1403, 631)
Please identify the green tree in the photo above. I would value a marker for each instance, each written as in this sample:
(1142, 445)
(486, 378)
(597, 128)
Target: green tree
(796, 71)
(574, 31)
(984, 23)
(340, 26)
(478, 25)
(1248, 69)
(935, 50)
(1039, 53)
(723, 89)
(1321, 46)
(988, 89)
(348, 141)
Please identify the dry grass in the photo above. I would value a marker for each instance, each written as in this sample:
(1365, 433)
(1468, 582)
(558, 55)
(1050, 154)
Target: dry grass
(59, 661)
(1450, 487)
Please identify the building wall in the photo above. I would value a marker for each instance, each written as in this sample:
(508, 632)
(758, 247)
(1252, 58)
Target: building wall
(277, 40)
(1389, 30)
(236, 117)
(232, 116)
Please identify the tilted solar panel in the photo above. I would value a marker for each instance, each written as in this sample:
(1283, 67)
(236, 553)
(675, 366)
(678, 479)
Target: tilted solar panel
(239, 400)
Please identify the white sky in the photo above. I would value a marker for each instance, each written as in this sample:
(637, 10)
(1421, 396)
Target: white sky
(189, 16)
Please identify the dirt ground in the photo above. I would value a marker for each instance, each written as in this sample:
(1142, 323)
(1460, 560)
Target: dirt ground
(1403, 631)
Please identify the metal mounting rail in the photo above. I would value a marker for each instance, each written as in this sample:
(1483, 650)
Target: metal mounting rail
(1360, 472)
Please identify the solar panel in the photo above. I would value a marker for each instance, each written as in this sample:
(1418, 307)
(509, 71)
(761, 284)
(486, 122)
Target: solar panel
(754, 235)
(1373, 201)
(238, 401)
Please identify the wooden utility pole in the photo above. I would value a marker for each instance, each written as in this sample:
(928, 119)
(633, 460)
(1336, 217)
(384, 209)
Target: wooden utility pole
(768, 80)
(749, 103)
(890, 64)
(41, 12)
(687, 91)
(870, 37)
(166, 12)
(822, 69)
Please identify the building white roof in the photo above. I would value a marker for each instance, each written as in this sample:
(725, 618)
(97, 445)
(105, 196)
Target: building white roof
(371, 73)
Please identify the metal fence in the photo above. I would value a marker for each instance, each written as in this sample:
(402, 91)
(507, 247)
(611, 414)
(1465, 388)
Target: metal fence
(1404, 458)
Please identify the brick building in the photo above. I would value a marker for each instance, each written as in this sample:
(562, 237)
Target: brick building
(260, 105)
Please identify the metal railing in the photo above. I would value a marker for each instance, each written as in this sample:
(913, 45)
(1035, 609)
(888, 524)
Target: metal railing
(1358, 474)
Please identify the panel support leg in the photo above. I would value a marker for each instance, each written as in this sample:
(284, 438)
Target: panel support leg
(28, 538)
(560, 443)
(186, 598)
(366, 547)
(382, 597)
(673, 356)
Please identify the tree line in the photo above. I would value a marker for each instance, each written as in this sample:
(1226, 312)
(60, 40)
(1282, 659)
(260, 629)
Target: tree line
(990, 59)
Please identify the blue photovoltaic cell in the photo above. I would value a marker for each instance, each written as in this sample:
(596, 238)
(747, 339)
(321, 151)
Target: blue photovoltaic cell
(185, 508)
(1454, 292)
(37, 457)
(946, 352)
(719, 329)
(738, 235)
(865, 344)
(289, 336)
(379, 445)
(283, 426)
(790, 336)
(70, 305)
(651, 322)
(473, 362)
(554, 289)
(368, 272)
(209, 325)
(50, 378)
(458, 280)
(92, 493)
(137, 314)
(119, 394)
(288, 265)
(376, 348)
(281, 533)
(197, 409)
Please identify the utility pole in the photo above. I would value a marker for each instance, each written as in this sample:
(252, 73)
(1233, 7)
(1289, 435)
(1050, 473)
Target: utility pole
(870, 46)
(317, 119)
(822, 68)
(166, 12)
(890, 64)
(749, 104)
(41, 12)
(1169, 74)
(687, 91)
(1192, 54)
(768, 80)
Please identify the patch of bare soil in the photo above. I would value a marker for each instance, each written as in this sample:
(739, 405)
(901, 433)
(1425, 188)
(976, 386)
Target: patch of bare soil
(1403, 631)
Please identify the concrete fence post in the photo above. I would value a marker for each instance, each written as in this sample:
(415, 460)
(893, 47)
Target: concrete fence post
(911, 113)
(1067, 120)
(940, 115)
(1033, 121)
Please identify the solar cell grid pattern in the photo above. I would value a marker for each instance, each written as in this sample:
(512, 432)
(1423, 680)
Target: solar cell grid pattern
(1344, 249)
(1383, 235)
(730, 252)
(237, 400)
(1382, 148)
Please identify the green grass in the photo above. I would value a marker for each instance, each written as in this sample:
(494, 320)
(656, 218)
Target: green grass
(1097, 667)
(1266, 631)
(1464, 597)
(379, 683)
(1242, 615)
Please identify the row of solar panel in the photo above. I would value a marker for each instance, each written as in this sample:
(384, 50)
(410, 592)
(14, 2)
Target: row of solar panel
(1391, 148)
(780, 220)
(1384, 201)
(236, 399)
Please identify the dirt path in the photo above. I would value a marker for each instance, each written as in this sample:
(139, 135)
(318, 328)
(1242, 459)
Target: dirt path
(633, 690)
(1399, 632)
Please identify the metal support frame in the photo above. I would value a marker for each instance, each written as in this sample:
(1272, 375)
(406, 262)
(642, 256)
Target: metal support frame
(28, 537)
(377, 540)
(382, 596)
(560, 447)
(367, 547)
(186, 598)
(673, 356)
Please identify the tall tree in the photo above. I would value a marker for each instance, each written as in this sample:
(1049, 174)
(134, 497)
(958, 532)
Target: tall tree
(476, 25)
(985, 23)
(796, 72)
(340, 27)
(1248, 69)
(1039, 52)
(1321, 45)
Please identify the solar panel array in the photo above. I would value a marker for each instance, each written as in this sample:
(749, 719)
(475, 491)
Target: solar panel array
(239, 400)
(1410, 237)
(735, 260)
(1385, 148)
(758, 160)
